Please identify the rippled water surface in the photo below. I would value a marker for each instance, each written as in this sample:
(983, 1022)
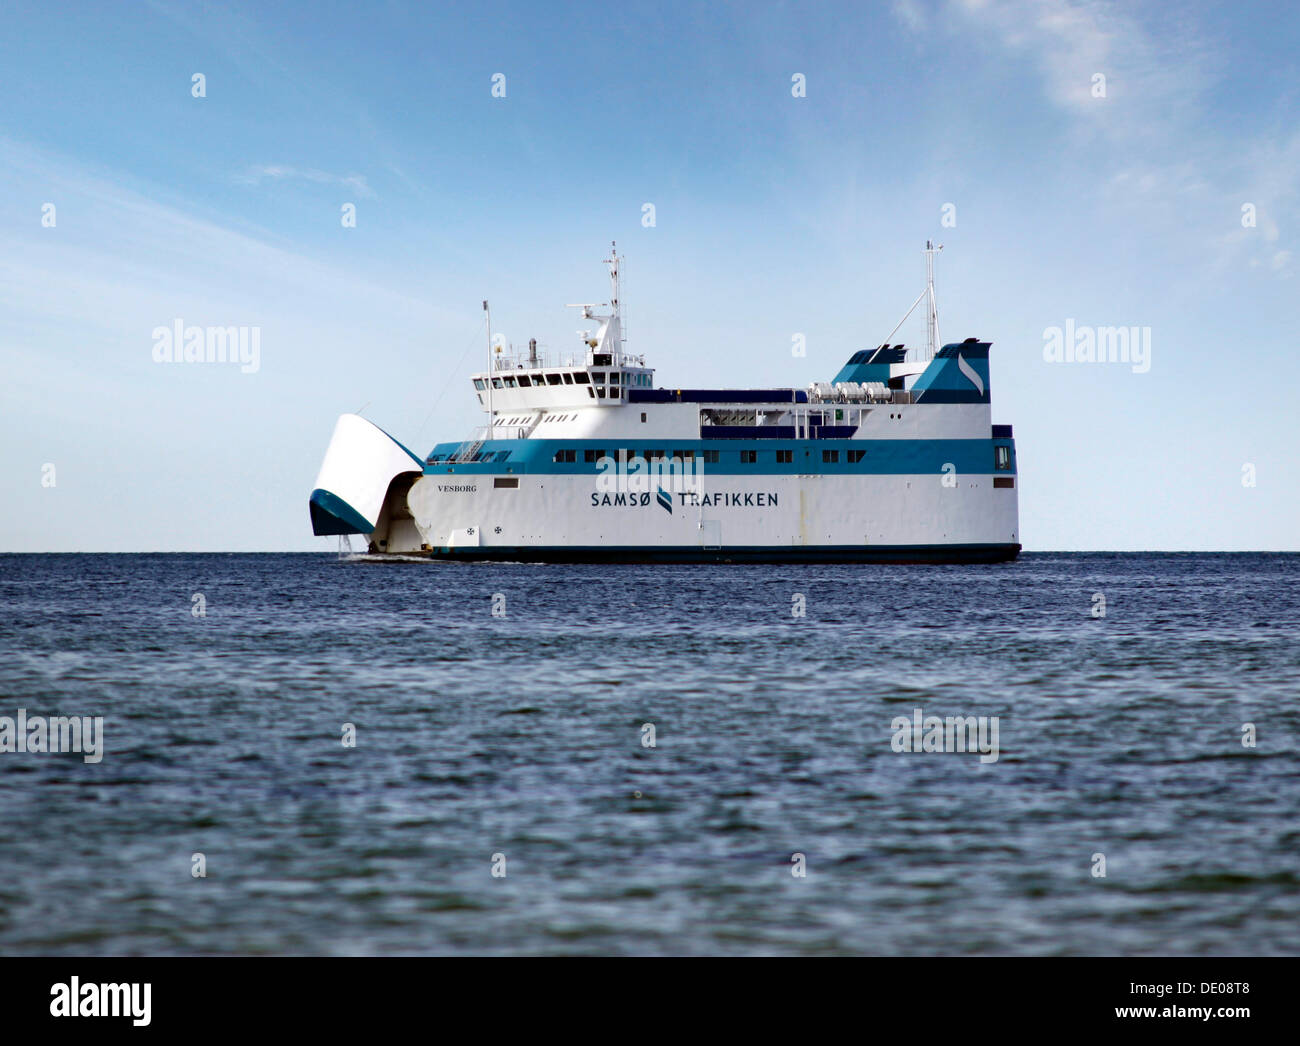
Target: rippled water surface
(522, 735)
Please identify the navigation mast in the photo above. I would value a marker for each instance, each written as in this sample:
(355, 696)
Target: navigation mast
(932, 307)
(932, 321)
(616, 293)
(487, 315)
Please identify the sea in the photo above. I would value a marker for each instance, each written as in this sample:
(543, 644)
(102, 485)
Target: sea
(324, 755)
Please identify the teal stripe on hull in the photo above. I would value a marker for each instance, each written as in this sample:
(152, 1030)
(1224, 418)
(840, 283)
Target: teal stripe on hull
(892, 457)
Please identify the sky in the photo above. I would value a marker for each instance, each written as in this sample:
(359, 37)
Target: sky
(796, 156)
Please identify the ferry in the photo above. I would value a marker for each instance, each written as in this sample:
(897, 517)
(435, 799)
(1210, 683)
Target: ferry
(585, 458)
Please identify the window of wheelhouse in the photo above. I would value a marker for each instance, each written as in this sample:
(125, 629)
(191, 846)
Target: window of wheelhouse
(496, 383)
(480, 384)
(553, 379)
(524, 381)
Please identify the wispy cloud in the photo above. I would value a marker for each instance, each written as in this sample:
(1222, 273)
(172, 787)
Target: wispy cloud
(1071, 41)
(278, 172)
(1152, 118)
(910, 14)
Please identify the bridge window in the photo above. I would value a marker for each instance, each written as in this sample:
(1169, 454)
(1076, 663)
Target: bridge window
(553, 379)
(496, 383)
(568, 378)
(480, 384)
(582, 378)
(510, 383)
(524, 381)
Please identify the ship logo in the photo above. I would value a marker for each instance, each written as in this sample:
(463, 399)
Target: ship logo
(971, 373)
(665, 500)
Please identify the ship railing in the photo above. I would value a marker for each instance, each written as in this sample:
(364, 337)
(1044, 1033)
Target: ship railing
(505, 362)
(471, 446)
(513, 431)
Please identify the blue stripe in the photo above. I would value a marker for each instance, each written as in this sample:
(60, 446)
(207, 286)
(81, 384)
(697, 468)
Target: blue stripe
(883, 456)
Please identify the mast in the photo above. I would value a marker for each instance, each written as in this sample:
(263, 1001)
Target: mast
(616, 293)
(932, 320)
(487, 313)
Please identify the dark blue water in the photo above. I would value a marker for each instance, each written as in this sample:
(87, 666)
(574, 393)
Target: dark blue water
(522, 735)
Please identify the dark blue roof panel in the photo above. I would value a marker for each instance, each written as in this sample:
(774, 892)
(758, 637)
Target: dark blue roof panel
(717, 396)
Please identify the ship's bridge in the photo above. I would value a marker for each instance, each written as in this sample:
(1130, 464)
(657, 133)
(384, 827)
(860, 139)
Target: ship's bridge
(601, 375)
(532, 382)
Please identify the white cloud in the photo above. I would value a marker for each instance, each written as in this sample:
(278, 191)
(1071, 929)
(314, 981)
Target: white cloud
(911, 14)
(1171, 157)
(275, 172)
(1149, 77)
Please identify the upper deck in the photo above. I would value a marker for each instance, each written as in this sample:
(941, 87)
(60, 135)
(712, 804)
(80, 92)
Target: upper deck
(530, 382)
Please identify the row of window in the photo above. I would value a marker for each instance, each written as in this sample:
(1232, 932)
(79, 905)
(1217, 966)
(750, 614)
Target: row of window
(710, 457)
(566, 377)
(1001, 456)
(594, 455)
(481, 456)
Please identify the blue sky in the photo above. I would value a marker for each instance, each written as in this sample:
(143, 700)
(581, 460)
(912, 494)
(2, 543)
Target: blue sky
(774, 215)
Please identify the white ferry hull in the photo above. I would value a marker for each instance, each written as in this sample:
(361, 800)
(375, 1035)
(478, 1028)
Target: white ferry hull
(894, 518)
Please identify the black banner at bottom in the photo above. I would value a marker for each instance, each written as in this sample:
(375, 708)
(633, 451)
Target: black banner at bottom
(1225, 996)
